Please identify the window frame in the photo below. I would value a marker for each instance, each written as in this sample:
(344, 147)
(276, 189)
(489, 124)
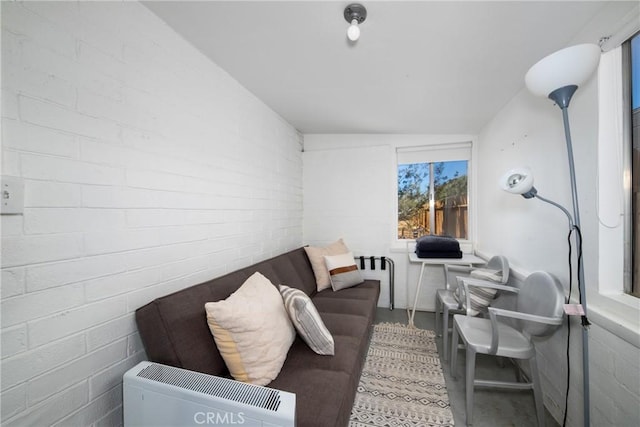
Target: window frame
(609, 304)
(438, 152)
(632, 246)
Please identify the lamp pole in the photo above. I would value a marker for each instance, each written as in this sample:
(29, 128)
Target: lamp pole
(557, 76)
(562, 97)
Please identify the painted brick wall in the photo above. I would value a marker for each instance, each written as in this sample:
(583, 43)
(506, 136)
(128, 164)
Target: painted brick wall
(351, 201)
(147, 169)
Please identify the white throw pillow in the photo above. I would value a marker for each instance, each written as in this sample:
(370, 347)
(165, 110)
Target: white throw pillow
(343, 271)
(252, 330)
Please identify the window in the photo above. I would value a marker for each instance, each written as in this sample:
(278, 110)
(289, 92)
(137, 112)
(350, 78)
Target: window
(634, 85)
(433, 192)
(612, 304)
(617, 217)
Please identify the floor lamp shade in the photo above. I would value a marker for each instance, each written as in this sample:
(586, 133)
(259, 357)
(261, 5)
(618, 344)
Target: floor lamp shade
(571, 66)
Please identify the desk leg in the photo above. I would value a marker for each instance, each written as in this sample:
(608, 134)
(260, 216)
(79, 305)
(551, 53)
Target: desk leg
(415, 300)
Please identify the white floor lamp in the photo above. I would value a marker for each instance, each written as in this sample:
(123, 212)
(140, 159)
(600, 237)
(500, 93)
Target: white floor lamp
(557, 77)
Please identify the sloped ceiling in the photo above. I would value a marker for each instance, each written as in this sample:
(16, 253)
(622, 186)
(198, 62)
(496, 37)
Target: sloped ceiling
(419, 67)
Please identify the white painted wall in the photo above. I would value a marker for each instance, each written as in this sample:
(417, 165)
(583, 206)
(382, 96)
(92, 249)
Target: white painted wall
(147, 169)
(346, 196)
(529, 131)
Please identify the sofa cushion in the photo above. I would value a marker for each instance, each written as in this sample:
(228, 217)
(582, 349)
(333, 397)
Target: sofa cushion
(324, 397)
(316, 257)
(343, 271)
(348, 325)
(343, 306)
(366, 290)
(292, 269)
(174, 327)
(252, 330)
(343, 359)
(307, 321)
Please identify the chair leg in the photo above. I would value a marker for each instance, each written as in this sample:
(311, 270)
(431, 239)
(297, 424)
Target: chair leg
(445, 332)
(537, 391)
(470, 378)
(518, 372)
(438, 314)
(453, 364)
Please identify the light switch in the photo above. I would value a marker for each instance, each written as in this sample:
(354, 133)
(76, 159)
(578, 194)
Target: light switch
(12, 195)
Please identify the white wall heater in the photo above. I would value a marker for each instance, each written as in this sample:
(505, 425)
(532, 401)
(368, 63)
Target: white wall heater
(160, 395)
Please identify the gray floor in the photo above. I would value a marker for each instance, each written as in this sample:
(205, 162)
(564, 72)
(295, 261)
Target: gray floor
(492, 408)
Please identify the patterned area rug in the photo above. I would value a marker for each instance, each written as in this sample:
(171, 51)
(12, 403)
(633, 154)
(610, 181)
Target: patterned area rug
(402, 382)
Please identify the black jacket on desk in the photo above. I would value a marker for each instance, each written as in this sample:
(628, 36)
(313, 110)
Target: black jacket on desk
(438, 247)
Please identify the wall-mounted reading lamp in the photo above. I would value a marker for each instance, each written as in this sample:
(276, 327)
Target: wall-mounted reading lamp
(520, 181)
(557, 77)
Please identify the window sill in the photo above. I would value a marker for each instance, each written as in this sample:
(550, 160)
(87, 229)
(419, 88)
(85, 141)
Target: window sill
(618, 314)
(400, 246)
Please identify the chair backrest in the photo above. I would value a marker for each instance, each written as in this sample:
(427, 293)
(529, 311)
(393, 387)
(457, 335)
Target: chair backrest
(541, 295)
(497, 263)
(500, 263)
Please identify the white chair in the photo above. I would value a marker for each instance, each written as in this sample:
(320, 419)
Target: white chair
(539, 313)
(446, 302)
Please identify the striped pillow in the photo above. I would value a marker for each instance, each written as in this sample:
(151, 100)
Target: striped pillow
(487, 274)
(343, 271)
(480, 298)
(307, 321)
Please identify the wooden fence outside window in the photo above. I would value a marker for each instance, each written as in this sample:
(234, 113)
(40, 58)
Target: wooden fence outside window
(451, 219)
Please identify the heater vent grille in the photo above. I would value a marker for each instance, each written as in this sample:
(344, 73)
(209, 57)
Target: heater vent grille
(259, 397)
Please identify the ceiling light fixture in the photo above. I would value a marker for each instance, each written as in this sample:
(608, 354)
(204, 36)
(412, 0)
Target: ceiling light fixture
(355, 14)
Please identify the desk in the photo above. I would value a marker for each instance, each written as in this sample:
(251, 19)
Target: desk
(467, 259)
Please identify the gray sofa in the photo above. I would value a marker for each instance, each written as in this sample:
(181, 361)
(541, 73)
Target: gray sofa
(174, 332)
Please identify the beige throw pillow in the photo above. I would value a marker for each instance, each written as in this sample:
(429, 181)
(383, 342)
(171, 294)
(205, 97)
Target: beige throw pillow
(316, 257)
(252, 330)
